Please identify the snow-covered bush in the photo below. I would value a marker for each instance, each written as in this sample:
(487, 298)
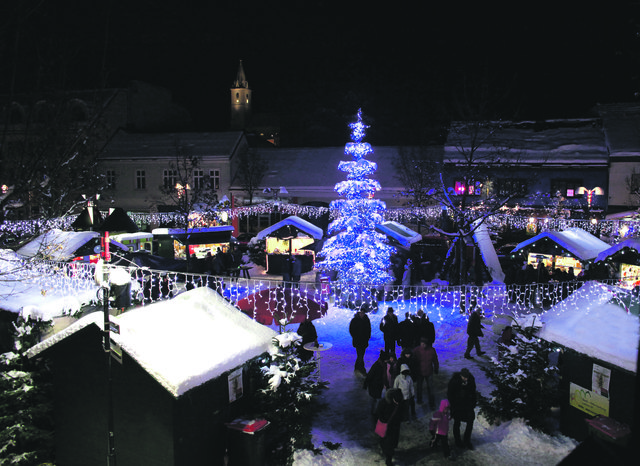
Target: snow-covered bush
(285, 397)
(525, 380)
(26, 425)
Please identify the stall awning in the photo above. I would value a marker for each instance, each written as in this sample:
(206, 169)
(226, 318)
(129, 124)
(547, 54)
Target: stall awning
(210, 235)
(403, 235)
(295, 222)
(579, 243)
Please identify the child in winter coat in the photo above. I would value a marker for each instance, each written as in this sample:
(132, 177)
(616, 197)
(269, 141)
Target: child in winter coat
(439, 427)
(405, 383)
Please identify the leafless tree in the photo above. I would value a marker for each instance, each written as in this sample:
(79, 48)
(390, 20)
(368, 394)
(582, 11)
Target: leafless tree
(250, 170)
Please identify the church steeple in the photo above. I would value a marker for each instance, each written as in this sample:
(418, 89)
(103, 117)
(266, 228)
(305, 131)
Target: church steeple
(240, 101)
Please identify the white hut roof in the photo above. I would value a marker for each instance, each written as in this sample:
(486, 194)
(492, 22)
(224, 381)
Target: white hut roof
(632, 243)
(57, 244)
(307, 227)
(183, 342)
(590, 322)
(577, 241)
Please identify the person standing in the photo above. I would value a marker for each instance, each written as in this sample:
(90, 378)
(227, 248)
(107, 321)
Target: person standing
(389, 328)
(389, 412)
(462, 396)
(474, 330)
(425, 328)
(405, 383)
(309, 335)
(296, 271)
(360, 331)
(406, 332)
(426, 364)
(439, 428)
(374, 382)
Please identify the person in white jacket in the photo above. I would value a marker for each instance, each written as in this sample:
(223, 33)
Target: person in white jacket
(405, 383)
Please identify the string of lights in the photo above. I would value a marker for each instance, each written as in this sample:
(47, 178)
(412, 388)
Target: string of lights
(286, 301)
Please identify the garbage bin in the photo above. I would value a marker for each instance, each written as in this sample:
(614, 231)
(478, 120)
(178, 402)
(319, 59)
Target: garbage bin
(246, 442)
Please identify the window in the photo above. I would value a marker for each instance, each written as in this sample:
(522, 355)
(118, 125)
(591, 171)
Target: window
(110, 179)
(214, 178)
(513, 187)
(141, 179)
(198, 179)
(169, 178)
(472, 188)
(566, 187)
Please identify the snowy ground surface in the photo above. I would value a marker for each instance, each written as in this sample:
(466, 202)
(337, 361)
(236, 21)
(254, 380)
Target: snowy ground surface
(345, 418)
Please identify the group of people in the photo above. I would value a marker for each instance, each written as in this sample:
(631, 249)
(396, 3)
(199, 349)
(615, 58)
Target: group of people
(404, 380)
(223, 262)
(392, 409)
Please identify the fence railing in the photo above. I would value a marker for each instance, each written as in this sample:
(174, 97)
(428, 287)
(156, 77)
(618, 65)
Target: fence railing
(148, 286)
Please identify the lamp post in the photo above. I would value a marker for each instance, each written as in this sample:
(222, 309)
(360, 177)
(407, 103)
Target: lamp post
(590, 192)
(103, 279)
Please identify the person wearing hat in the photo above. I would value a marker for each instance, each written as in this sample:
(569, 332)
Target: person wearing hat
(405, 383)
(389, 328)
(461, 393)
(426, 364)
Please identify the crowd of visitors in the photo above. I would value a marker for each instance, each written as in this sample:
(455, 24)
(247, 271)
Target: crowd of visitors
(395, 385)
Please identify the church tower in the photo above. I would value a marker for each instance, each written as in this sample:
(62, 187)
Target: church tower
(240, 101)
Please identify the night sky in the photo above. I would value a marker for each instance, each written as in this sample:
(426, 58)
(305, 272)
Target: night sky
(409, 65)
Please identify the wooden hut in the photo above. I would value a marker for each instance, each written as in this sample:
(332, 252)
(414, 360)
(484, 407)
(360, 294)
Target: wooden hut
(599, 342)
(180, 375)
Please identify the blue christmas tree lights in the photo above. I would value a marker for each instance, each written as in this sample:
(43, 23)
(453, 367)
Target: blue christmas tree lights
(356, 251)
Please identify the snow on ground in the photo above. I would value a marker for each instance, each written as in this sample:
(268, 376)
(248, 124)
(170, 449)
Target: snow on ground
(346, 419)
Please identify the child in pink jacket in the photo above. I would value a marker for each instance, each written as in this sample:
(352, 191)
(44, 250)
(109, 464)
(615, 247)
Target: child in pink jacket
(439, 427)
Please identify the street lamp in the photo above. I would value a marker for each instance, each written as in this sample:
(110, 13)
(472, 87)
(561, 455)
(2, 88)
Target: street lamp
(590, 192)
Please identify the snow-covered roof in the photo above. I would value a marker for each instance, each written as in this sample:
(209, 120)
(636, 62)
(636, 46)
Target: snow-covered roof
(183, 342)
(631, 243)
(405, 236)
(591, 323)
(577, 241)
(57, 244)
(300, 224)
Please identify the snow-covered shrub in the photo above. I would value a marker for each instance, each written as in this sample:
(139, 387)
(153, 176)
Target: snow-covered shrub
(26, 425)
(285, 397)
(525, 380)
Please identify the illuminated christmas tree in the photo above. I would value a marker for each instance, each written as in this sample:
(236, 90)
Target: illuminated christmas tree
(359, 253)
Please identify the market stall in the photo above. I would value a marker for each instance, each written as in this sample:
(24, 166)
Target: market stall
(624, 260)
(291, 236)
(173, 242)
(567, 250)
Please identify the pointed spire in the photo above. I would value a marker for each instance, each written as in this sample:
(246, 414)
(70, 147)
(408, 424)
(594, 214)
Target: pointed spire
(241, 80)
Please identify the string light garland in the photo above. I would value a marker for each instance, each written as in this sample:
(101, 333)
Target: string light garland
(439, 302)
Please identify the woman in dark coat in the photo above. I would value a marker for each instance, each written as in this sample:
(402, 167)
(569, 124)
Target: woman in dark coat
(374, 382)
(389, 411)
(360, 331)
(309, 335)
(461, 393)
(474, 330)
